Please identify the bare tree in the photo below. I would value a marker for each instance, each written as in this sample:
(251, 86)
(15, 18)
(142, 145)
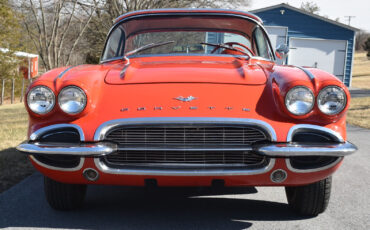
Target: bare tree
(311, 7)
(49, 23)
(361, 37)
(60, 29)
(118, 7)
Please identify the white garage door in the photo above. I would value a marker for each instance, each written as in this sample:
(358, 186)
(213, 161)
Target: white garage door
(328, 55)
(277, 35)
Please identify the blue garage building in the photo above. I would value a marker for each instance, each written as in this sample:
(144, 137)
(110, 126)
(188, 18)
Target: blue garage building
(313, 40)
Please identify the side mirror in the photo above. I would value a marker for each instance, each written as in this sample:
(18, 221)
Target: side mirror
(281, 51)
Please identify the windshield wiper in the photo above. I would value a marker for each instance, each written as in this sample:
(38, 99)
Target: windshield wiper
(148, 46)
(225, 46)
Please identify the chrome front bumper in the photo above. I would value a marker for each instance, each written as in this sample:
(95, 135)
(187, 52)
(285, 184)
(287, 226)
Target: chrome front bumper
(288, 149)
(270, 150)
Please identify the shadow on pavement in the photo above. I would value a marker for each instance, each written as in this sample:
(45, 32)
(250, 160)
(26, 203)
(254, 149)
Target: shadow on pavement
(113, 207)
(14, 167)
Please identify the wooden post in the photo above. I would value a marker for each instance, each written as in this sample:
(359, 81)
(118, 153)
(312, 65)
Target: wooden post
(12, 97)
(29, 68)
(2, 92)
(22, 93)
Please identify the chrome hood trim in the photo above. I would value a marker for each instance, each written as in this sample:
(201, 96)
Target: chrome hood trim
(106, 126)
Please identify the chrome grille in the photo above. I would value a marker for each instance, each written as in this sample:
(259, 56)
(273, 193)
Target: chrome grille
(174, 145)
(184, 158)
(186, 136)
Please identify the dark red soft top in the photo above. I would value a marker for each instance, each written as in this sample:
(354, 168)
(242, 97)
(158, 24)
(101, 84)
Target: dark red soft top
(188, 10)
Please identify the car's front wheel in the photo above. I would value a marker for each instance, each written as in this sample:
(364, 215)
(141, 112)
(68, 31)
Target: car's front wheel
(61, 196)
(310, 199)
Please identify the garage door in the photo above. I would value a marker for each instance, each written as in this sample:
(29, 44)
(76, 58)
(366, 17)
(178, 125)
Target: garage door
(277, 35)
(328, 55)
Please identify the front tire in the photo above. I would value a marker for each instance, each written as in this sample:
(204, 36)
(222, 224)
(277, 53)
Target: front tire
(310, 199)
(64, 197)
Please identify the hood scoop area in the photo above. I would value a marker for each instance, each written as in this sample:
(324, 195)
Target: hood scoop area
(186, 71)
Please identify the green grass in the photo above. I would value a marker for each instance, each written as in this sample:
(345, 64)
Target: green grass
(14, 166)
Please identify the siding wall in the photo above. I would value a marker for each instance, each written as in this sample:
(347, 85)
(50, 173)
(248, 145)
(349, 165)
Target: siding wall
(304, 26)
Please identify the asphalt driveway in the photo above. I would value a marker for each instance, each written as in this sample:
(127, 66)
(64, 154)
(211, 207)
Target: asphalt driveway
(359, 93)
(110, 207)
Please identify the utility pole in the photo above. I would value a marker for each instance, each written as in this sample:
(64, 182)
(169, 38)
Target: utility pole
(349, 19)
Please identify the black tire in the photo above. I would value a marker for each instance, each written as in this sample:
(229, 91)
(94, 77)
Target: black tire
(64, 197)
(311, 199)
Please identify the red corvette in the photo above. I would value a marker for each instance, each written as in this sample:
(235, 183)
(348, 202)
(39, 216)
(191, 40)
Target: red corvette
(188, 97)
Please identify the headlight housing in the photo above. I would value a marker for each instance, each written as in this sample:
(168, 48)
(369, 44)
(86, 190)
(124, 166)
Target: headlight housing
(72, 100)
(40, 99)
(332, 100)
(299, 100)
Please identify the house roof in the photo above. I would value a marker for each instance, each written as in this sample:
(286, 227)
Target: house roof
(19, 53)
(306, 13)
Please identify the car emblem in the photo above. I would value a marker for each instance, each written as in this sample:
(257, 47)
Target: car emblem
(185, 99)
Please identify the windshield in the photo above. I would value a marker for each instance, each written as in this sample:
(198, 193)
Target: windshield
(184, 35)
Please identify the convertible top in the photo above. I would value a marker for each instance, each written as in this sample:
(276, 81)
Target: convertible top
(187, 10)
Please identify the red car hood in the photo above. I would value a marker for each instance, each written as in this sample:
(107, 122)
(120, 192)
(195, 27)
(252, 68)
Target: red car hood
(228, 70)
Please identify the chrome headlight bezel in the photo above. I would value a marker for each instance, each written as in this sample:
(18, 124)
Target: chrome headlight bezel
(288, 98)
(71, 108)
(50, 97)
(320, 98)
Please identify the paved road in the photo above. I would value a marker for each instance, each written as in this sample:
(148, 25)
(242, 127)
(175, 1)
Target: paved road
(360, 92)
(109, 207)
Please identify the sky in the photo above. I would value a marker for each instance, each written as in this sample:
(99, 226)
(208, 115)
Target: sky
(332, 8)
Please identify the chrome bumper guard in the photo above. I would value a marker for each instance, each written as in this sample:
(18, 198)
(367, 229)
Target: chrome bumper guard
(305, 149)
(82, 149)
(270, 150)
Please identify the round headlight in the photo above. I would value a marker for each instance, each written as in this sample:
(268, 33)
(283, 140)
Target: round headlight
(299, 100)
(72, 100)
(332, 100)
(40, 99)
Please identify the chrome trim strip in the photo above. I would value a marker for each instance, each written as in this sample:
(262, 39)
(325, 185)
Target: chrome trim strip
(180, 165)
(290, 167)
(78, 167)
(65, 71)
(103, 128)
(90, 149)
(306, 71)
(331, 132)
(183, 172)
(306, 149)
(35, 135)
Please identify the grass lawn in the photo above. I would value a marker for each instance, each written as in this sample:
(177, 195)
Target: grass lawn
(13, 127)
(361, 71)
(359, 112)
